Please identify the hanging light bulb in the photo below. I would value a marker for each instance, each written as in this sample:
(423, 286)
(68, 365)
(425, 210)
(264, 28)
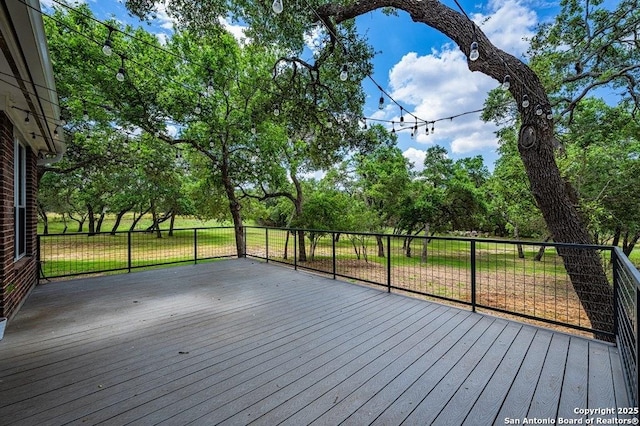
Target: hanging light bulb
(474, 54)
(393, 129)
(525, 101)
(55, 131)
(156, 134)
(277, 6)
(121, 71)
(344, 74)
(198, 109)
(26, 119)
(506, 83)
(539, 110)
(381, 102)
(106, 48)
(210, 88)
(433, 127)
(276, 111)
(426, 128)
(85, 115)
(33, 135)
(401, 117)
(365, 124)
(549, 115)
(253, 130)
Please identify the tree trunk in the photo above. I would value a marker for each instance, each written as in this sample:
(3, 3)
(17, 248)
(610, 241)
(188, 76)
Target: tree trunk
(92, 220)
(425, 242)
(297, 203)
(234, 203)
(99, 222)
(629, 243)
(119, 217)
(535, 142)
(45, 219)
(155, 225)
(616, 236)
(302, 251)
(172, 223)
(516, 235)
(540, 253)
(285, 255)
(136, 220)
(380, 246)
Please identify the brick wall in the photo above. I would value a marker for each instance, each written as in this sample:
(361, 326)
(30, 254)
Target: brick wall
(17, 279)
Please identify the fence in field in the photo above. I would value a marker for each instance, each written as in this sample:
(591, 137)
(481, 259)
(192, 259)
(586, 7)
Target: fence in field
(67, 255)
(525, 279)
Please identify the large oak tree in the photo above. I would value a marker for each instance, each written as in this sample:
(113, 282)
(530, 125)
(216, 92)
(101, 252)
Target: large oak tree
(590, 33)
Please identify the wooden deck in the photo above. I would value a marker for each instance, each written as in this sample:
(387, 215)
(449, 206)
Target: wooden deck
(238, 342)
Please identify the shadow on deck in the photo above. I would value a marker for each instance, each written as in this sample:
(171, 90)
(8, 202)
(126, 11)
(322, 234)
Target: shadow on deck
(239, 342)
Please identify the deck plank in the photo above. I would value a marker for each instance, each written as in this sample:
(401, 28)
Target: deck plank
(239, 341)
(544, 404)
(601, 394)
(518, 399)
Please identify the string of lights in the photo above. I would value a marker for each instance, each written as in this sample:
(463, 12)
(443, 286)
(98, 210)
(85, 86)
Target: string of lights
(107, 49)
(343, 75)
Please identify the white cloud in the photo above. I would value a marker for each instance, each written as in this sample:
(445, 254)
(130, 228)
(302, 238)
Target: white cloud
(162, 16)
(416, 156)
(237, 31)
(162, 38)
(439, 85)
(314, 39)
(509, 25)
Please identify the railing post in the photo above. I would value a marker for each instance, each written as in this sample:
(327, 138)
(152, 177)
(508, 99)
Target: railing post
(616, 291)
(388, 263)
(129, 251)
(295, 250)
(637, 340)
(266, 243)
(244, 240)
(333, 253)
(38, 259)
(473, 275)
(195, 246)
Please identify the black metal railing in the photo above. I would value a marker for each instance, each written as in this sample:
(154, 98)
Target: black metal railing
(627, 280)
(524, 279)
(73, 254)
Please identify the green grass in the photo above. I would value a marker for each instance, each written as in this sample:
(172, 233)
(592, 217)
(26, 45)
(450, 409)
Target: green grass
(56, 225)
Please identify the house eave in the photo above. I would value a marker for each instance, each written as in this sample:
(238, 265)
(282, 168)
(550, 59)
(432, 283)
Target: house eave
(27, 80)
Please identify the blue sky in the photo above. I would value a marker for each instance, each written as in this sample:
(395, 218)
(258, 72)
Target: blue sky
(421, 69)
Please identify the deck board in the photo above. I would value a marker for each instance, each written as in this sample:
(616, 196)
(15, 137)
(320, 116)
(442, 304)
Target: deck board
(239, 342)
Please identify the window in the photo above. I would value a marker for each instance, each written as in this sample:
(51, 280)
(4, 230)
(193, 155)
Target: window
(20, 198)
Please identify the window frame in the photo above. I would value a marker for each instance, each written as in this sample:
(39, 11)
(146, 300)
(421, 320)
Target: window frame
(19, 199)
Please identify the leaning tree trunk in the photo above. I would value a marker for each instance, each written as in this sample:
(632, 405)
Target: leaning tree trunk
(234, 203)
(380, 245)
(535, 142)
